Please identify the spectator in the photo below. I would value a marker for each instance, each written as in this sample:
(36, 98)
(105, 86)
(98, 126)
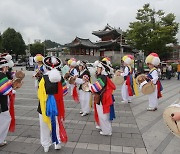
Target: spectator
(164, 72)
(169, 71)
(159, 72)
(178, 71)
(65, 68)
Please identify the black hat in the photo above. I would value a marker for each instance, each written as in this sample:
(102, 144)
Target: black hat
(52, 62)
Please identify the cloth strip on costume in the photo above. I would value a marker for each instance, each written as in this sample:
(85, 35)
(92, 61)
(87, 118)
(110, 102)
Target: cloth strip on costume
(51, 111)
(97, 86)
(12, 112)
(5, 86)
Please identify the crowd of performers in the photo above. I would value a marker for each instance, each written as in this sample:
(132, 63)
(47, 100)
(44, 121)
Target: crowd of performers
(52, 81)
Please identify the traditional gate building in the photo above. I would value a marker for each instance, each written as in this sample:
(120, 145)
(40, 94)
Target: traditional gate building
(80, 46)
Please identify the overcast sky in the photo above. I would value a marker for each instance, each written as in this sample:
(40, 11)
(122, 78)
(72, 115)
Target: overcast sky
(62, 20)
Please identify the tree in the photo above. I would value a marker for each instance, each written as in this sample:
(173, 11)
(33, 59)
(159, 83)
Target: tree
(37, 48)
(152, 31)
(51, 44)
(13, 42)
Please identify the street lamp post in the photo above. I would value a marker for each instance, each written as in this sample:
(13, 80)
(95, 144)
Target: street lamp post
(44, 48)
(121, 48)
(140, 62)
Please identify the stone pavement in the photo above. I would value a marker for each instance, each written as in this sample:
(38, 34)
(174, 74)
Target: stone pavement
(135, 131)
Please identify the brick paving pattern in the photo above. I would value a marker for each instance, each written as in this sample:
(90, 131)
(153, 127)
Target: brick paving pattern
(135, 131)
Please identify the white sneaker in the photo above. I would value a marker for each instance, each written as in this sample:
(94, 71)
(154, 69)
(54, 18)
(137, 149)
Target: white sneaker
(105, 134)
(151, 109)
(98, 127)
(124, 101)
(46, 149)
(84, 114)
(80, 112)
(3, 143)
(57, 146)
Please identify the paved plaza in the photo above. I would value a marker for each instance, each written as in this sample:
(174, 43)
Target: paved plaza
(135, 130)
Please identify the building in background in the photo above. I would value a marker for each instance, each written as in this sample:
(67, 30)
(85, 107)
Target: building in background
(112, 43)
(80, 46)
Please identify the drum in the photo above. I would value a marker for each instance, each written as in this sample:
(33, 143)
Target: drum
(20, 74)
(17, 83)
(145, 86)
(174, 126)
(66, 76)
(117, 78)
(72, 80)
(141, 78)
(85, 86)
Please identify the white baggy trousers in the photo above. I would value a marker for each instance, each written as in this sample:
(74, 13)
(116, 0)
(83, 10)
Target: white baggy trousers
(153, 100)
(5, 120)
(105, 123)
(125, 94)
(45, 133)
(84, 98)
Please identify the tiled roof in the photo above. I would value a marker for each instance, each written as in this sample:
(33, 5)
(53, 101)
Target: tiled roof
(81, 42)
(108, 30)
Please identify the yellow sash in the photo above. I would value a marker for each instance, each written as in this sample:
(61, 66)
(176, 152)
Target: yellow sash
(42, 96)
(135, 87)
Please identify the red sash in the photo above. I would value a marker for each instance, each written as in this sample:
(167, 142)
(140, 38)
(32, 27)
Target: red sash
(61, 112)
(75, 94)
(12, 112)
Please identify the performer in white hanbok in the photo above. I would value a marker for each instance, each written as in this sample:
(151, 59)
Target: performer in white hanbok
(129, 88)
(84, 91)
(40, 69)
(6, 106)
(103, 98)
(72, 72)
(152, 60)
(51, 105)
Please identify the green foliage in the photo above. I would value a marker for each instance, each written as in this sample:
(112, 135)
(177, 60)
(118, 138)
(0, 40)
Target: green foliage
(66, 51)
(116, 65)
(152, 31)
(13, 42)
(37, 48)
(50, 44)
(174, 66)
